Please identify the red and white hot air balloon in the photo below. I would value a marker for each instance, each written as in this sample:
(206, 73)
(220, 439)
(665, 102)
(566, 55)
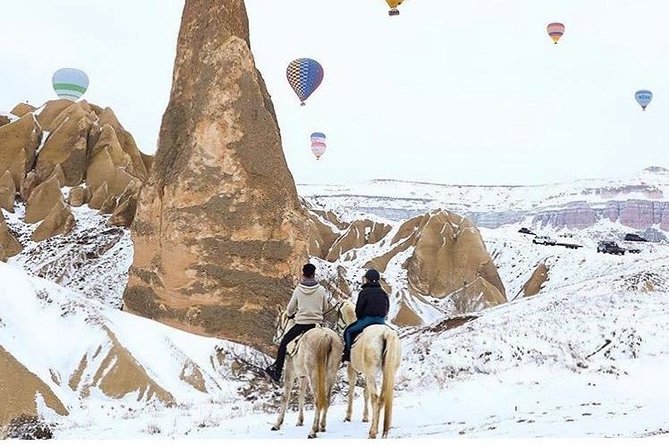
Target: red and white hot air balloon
(555, 31)
(318, 144)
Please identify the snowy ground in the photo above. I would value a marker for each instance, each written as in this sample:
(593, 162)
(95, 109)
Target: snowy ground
(530, 402)
(587, 356)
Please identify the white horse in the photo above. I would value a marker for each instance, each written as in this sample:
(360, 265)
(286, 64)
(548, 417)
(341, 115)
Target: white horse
(376, 349)
(316, 362)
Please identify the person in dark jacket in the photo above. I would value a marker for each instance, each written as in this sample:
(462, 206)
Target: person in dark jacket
(371, 308)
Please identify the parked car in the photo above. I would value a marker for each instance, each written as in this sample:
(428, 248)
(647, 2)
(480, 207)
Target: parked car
(608, 247)
(526, 231)
(543, 240)
(634, 238)
(634, 250)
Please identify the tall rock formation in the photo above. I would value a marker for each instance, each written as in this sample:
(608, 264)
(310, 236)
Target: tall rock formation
(219, 231)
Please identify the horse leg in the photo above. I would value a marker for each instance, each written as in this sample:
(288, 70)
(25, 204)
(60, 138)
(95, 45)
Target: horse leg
(303, 389)
(317, 410)
(352, 374)
(365, 413)
(324, 412)
(287, 386)
(370, 381)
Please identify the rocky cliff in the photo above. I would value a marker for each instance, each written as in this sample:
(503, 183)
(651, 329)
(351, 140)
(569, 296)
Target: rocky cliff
(64, 155)
(219, 232)
(433, 266)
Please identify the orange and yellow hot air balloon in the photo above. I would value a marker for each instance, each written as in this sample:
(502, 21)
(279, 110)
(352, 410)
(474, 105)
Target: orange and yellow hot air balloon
(555, 30)
(393, 4)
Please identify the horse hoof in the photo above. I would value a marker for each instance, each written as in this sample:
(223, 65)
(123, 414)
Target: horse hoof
(372, 436)
(365, 420)
(311, 435)
(300, 423)
(347, 419)
(274, 428)
(322, 429)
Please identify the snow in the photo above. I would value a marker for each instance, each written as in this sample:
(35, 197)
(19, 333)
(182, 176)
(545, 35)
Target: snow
(586, 357)
(397, 200)
(93, 259)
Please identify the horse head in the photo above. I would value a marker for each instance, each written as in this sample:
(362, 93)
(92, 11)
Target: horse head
(345, 314)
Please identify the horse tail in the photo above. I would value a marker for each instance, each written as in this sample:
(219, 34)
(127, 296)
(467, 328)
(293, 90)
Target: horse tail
(391, 356)
(323, 350)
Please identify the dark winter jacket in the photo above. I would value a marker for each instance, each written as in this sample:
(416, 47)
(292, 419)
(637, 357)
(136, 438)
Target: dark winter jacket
(372, 301)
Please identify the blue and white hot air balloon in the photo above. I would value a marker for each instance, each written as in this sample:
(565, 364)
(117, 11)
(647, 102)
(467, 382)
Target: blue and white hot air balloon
(643, 97)
(70, 83)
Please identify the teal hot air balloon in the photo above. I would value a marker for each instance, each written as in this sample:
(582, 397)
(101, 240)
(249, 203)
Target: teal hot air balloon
(643, 97)
(70, 83)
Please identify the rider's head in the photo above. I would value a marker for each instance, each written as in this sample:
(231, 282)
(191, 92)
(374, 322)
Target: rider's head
(308, 271)
(372, 275)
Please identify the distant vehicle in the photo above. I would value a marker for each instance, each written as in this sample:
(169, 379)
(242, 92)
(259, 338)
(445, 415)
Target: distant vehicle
(634, 238)
(543, 240)
(526, 231)
(634, 250)
(607, 247)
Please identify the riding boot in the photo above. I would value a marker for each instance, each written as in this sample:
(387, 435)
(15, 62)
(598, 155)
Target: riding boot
(273, 373)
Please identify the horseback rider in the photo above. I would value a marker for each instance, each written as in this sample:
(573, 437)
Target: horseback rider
(307, 305)
(371, 308)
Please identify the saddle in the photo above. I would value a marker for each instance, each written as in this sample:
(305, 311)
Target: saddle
(294, 345)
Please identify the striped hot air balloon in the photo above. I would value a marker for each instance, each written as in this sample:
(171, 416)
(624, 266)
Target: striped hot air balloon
(643, 97)
(555, 30)
(70, 83)
(318, 144)
(304, 76)
(393, 4)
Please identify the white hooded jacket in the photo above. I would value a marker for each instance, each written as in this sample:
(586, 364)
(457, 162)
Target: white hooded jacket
(308, 304)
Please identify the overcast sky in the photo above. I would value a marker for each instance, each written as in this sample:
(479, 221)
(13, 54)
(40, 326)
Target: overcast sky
(450, 91)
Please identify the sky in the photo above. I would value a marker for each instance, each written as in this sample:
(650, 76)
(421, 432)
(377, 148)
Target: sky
(458, 92)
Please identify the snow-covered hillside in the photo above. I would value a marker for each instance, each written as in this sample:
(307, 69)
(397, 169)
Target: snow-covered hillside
(93, 259)
(584, 358)
(493, 206)
(95, 360)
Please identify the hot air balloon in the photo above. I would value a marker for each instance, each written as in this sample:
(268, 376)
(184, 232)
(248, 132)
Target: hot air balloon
(304, 76)
(643, 97)
(555, 30)
(70, 83)
(318, 144)
(393, 4)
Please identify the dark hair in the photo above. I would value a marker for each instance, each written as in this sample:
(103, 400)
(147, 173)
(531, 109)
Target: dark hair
(308, 270)
(372, 275)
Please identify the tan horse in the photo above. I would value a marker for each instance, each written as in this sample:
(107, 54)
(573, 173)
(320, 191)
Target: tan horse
(377, 349)
(316, 362)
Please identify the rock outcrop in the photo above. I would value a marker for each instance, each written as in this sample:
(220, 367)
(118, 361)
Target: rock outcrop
(432, 266)
(219, 232)
(59, 221)
(7, 191)
(19, 389)
(358, 234)
(73, 145)
(449, 254)
(43, 199)
(536, 281)
(22, 109)
(18, 144)
(10, 246)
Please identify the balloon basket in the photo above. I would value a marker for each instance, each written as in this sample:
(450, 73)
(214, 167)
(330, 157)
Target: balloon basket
(393, 13)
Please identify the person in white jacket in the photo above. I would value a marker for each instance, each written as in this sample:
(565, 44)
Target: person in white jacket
(307, 305)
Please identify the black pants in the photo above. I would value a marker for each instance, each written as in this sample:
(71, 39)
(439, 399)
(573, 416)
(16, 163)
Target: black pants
(294, 332)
